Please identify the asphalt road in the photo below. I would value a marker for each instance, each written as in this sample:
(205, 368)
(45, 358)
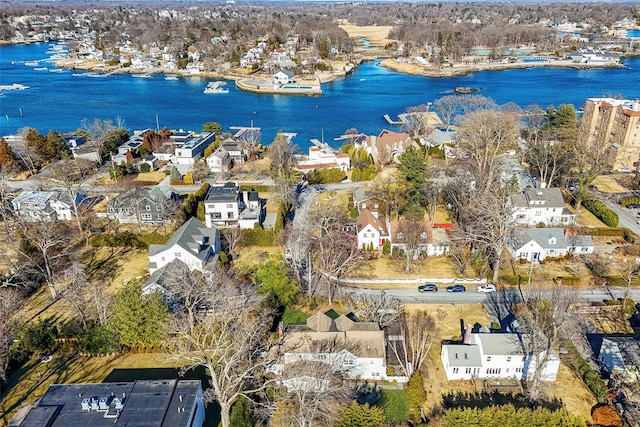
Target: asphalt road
(473, 297)
(627, 216)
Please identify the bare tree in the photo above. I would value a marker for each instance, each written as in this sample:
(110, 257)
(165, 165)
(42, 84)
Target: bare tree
(432, 198)
(72, 173)
(546, 310)
(487, 225)
(418, 121)
(98, 131)
(533, 120)
(297, 252)
(229, 338)
(313, 393)
(484, 135)
(419, 332)
(547, 158)
(390, 191)
(598, 264)
(233, 237)
(379, 307)
(281, 155)
(75, 291)
(411, 235)
(10, 301)
(447, 108)
(336, 256)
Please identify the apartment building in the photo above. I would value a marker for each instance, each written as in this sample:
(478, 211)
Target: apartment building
(616, 123)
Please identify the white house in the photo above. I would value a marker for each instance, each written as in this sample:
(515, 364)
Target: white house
(191, 149)
(541, 205)
(432, 241)
(45, 205)
(321, 157)
(283, 77)
(356, 349)
(193, 243)
(488, 355)
(536, 244)
(219, 161)
(227, 206)
(372, 233)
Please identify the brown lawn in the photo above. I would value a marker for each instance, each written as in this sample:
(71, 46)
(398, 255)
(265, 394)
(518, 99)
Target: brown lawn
(586, 218)
(376, 35)
(387, 267)
(609, 184)
(575, 395)
(151, 176)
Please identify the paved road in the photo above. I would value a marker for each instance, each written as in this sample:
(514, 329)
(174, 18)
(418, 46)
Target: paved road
(627, 216)
(471, 296)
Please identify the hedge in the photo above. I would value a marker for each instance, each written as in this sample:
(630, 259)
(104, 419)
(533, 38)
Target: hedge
(259, 237)
(600, 210)
(127, 239)
(261, 188)
(630, 201)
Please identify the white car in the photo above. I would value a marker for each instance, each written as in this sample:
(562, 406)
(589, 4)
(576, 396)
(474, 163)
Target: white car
(486, 288)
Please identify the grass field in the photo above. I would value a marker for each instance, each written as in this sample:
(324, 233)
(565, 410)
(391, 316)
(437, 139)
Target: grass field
(387, 267)
(395, 406)
(608, 184)
(377, 35)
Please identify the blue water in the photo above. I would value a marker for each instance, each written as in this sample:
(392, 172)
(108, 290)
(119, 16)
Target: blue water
(633, 34)
(60, 101)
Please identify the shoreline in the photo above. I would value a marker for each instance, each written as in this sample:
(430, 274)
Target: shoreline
(457, 69)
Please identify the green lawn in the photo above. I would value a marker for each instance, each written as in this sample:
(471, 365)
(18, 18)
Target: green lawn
(294, 317)
(395, 406)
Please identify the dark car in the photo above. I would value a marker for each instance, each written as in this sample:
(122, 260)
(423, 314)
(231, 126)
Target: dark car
(633, 206)
(456, 288)
(428, 287)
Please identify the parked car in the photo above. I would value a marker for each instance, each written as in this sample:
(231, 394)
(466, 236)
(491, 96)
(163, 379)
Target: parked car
(486, 288)
(428, 287)
(456, 288)
(633, 206)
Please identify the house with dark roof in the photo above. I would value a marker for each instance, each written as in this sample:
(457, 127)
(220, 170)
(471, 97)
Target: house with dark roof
(139, 206)
(163, 403)
(489, 355)
(193, 244)
(227, 206)
(541, 205)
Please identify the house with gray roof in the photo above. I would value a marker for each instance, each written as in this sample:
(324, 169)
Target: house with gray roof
(46, 205)
(227, 206)
(193, 244)
(541, 205)
(536, 244)
(489, 356)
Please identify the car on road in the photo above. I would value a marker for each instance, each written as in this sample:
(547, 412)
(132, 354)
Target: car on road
(456, 288)
(486, 288)
(633, 206)
(428, 287)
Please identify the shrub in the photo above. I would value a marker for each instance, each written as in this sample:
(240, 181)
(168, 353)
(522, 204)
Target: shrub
(594, 382)
(144, 167)
(386, 247)
(127, 239)
(259, 237)
(600, 210)
(628, 306)
(325, 176)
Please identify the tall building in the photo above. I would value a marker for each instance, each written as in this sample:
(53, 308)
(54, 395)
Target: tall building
(614, 122)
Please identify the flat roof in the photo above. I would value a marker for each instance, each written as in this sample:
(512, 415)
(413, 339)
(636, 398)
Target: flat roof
(167, 402)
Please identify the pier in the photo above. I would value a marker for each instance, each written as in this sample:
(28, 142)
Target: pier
(402, 121)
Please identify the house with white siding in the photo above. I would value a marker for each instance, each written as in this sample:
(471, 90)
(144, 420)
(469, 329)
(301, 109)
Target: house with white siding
(536, 244)
(372, 233)
(541, 205)
(493, 356)
(45, 205)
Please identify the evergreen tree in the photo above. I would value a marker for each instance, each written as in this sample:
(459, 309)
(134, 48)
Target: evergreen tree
(356, 415)
(272, 278)
(241, 414)
(138, 318)
(7, 157)
(414, 167)
(214, 127)
(59, 148)
(416, 395)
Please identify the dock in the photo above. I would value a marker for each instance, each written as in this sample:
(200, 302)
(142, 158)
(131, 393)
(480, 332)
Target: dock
(402, 120)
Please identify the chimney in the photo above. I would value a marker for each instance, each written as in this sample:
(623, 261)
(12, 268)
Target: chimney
(467, 334)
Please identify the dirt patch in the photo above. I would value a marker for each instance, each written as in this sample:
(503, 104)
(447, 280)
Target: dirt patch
(375, 35)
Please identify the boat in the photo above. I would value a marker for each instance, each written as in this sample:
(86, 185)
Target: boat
(143, 76)
(55, 70)
(41, 69)
(216, 87)
(171, 78)
(31, 63)
(463, 89)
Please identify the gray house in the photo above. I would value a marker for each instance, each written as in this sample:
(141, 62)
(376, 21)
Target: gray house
(536, 244)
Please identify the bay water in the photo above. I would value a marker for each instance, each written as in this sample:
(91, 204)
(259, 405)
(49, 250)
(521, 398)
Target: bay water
(62, 100)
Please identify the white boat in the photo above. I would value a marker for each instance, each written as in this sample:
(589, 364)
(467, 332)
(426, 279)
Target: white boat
(41, 69)
(216, 87)
(171, 78)
(31, 63)
(143, 76)
(55, 70)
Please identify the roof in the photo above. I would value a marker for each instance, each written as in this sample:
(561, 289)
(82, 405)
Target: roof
(227, 192)
(366, 218)
(628, 349)
(547, 238)
(145, 403)
(580, 240)
(539, 197)
(499, 344)
(190, 236)
(460, 355)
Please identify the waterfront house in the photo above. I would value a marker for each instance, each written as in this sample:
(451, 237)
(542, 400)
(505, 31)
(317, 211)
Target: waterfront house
(193, 244)
(46, 205)
(191, 148)
(321, 157)
(541, 206)
(283, 77)
(493, 356)
(227, 206)
(390, 145)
